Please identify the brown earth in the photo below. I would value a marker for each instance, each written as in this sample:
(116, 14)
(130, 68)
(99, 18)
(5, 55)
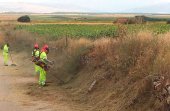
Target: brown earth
(6, 17)
(108, 81)
(19, 90)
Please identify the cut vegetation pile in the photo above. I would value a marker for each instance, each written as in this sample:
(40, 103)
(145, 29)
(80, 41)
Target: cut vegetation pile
(107, 74)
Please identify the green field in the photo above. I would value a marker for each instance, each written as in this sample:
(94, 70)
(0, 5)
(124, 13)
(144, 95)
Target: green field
(72, 31)
(155, 28)
(90, 31)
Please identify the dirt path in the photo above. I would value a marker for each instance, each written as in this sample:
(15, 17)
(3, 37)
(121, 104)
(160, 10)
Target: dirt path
(13, 97)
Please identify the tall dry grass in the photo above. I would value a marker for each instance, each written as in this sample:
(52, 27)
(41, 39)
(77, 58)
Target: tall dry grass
(135, 56)
(138, 55)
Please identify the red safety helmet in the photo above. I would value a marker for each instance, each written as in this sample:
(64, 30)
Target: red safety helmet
(45, 48)
(36, 46)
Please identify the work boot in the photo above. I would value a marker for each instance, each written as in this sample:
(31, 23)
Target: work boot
(40, 87)
(43, 83)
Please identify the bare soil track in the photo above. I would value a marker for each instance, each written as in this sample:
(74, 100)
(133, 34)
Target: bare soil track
(16, 87)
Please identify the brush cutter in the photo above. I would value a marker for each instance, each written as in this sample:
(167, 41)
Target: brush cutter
(12, 60)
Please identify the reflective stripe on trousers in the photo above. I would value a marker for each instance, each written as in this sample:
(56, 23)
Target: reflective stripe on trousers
(5, 55)
(42, 77)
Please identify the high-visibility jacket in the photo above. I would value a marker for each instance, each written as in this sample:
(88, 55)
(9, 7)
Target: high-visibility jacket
(36, 53)
(5, 49)
(43, 57)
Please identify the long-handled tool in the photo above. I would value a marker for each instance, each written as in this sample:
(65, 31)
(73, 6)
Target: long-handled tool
(52, 66)
(12, 60)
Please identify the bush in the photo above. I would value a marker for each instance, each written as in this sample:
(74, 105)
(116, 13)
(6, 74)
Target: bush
(25, 18)
(168, 22)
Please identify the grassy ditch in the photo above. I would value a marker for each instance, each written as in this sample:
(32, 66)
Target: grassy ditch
(121, 67)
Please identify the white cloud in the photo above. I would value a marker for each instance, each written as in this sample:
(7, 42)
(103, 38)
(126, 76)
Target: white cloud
(86, 5)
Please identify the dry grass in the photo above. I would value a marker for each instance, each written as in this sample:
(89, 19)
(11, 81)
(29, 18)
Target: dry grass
(1, 38)
(7, 17)
(122, 64)
(139, 54)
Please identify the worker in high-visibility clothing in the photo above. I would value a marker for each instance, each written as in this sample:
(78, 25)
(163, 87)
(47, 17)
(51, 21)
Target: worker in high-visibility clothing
(36, 57)
(44, 65)
(6, 53)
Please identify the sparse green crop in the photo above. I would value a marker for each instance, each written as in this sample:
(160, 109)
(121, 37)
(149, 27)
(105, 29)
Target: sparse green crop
(90, 31)
(73, 31)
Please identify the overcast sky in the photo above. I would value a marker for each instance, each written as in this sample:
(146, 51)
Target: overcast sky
(92, 5)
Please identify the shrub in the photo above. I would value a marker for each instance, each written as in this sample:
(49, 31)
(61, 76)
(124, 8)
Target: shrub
(25, 18)
(168, 22)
